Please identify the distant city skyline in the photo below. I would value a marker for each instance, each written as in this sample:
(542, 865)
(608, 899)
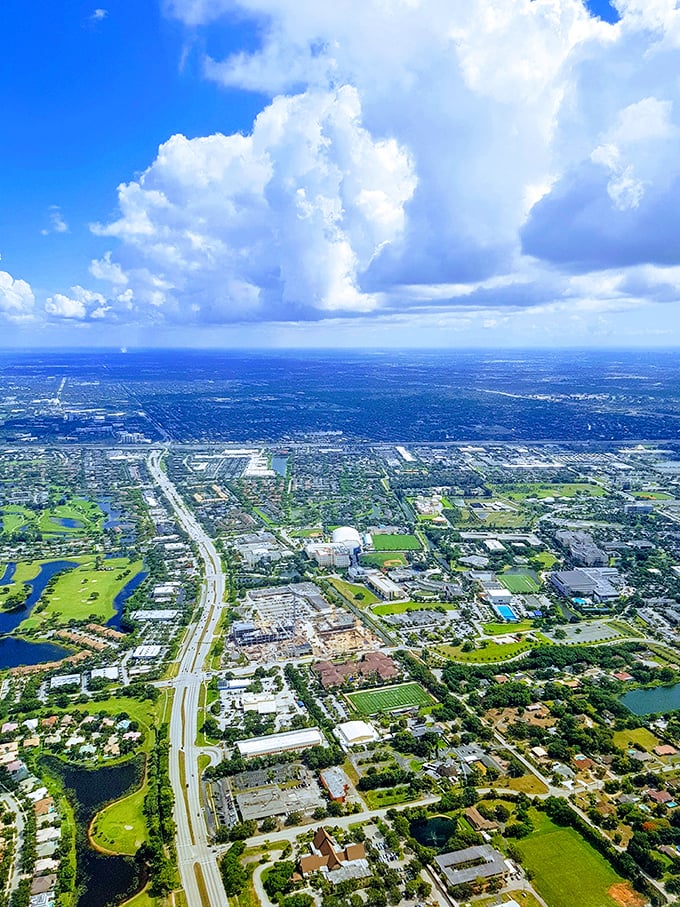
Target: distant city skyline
(384, 173)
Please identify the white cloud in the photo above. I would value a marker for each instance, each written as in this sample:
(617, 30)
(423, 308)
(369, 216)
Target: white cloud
(285, 219)
(16, 298)
(99, 15)
(483, 157)
(57, 222)
(78, 306)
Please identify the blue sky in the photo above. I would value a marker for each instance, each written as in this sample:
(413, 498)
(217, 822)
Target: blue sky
(279, 173)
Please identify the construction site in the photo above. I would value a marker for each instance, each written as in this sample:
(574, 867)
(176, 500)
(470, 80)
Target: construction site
(294, 621)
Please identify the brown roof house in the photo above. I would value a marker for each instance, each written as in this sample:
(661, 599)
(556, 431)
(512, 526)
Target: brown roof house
(337, 865)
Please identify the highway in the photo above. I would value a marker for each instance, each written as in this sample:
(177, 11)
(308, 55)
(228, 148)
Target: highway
(194, 853)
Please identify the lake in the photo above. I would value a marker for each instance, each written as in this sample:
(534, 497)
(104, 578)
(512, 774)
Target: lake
(649, 702)
(122, 597)
(434, 832)
(10, 620)
(15, 652)
(105, 879)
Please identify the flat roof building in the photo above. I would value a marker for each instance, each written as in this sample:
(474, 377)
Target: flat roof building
(354, 733)
(280, 743)
(472, 863)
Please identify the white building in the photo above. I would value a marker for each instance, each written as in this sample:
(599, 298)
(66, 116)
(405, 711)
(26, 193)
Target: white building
(356, 733)
(384, 586)
(280, 743)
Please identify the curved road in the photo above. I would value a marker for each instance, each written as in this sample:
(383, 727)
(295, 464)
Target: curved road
(195, 856)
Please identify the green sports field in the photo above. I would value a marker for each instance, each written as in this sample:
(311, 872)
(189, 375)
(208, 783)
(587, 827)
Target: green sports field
(388, 699)
(565, 869)
(389, 542)
(519, 583)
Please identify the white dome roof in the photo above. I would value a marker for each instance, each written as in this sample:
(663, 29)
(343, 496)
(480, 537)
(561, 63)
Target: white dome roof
(345, 535)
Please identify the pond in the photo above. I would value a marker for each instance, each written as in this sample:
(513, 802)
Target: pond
(10, 620)
(649, 702)
(104, 879)
(15, 652)
(280, 465)
(67, 522)
(122, 597)
(113, 516)
(434, 832)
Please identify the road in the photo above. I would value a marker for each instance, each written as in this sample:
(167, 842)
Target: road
(193, 848)
(8, 800)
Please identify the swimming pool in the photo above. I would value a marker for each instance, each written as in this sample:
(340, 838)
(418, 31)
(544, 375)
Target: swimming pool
(505, 611)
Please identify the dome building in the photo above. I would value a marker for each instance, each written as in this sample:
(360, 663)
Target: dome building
(346, 535)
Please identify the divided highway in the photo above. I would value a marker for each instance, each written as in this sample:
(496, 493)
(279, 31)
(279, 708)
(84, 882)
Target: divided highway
(195, 857)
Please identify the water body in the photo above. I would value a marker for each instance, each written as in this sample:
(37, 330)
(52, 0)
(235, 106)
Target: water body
(15, 652)
(649, 702)
(122, 597)
(434, 832)
(67, 522)
(280, 465)
(10, 620)
(8, 574)
(113, 517)
(105, 879)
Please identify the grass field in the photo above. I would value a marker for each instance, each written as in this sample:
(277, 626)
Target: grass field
(520, 626)
(382, 559)
(15, 517)
(86, 517)
(546, 559)
(121, 827)
(389, 542)
(652, 495)
(360, 595)
(376, 799)
(523, 490)
(82, 592)
(400, 607)
(565, 869)
(489, 654)
(519, 583)
(387, 699)
(640, 736)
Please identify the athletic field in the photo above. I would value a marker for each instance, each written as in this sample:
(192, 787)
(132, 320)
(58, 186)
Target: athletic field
(388, 699)
(519, 583)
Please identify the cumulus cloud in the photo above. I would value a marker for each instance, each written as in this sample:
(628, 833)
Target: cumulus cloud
(285, 219)
(16, 298)
(499, 154)
(79, 305)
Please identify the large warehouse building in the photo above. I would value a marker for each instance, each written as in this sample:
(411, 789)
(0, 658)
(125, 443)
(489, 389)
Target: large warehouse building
(280, 743)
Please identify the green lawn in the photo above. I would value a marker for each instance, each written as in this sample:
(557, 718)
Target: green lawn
(400, 607)
(121, 826)
(376, 799)
(390, 542)
(14, 517)
(520, 626)
(652, 495)
(519, 583)
(84, 591)
(522, 490)
(489, 654)
(387, 699)
(546, 558)
(378, 559)
(565, 869)
(640, 735)
(360, 595)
